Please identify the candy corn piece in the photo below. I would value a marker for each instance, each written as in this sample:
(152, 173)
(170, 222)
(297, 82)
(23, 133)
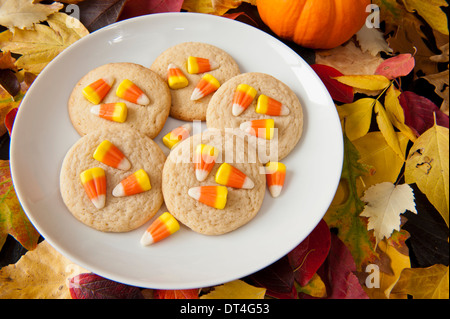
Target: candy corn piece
(275, 175)
(176, 78)
(230, 176)
(109, 154)
(197, 65)
(116, 112)
(164, 226)
(177, 135)
(94, 183)
(204, 159)
(96, 91)
(135, 183)
(214, 196)
(260, 128)
(129, 91)
(267, 105)
(243, 97)
(207, 85)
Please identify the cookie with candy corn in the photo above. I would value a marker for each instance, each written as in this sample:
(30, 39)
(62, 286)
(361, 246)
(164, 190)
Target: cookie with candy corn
(226, 198)
(138, 98)
(193, 60)
(113, 151)
(275, 105)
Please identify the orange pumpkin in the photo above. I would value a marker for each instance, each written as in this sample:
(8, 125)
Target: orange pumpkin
(316, 24)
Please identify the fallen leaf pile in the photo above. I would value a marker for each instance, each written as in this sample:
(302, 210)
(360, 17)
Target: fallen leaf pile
(390, 86)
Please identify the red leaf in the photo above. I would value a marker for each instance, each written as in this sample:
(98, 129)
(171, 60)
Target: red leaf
(310, 254)
(92, 286)
(339, 92)
(337, 273)
(420, 112)
(176, 294)
(134, 8)
(9, 119)
(278, 279)
(400, 65)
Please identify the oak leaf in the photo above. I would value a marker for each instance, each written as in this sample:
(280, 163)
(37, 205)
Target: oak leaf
(441, 82)
(39, 46)
(424, 283)
(385, 203)
(236, 289)
(39, 274)
(427, 166)
(431, 11)
(13, 219)
(24, 14)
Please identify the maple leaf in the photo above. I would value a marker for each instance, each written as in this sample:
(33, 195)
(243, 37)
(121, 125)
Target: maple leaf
(345, 215)
(424, 283)
(236, 289)
(39, 274)
(92, 286)
(427, 166)
(39, 46)
(24, 14)
(385, 203)
(13, 219)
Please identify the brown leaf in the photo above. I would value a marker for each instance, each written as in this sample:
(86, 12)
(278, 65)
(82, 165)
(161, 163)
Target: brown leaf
(95, 14)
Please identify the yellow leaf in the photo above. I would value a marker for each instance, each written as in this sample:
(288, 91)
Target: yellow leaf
(39, 274)
(398, 262)
(395, 112)
(365, 82)
(314, 288)
(427, 166)
(387, 129)
(236, 289)
(24, 14)
(424, 283)
(432, 13)
(358, 116)
(39, 46)
(375, 151)
(217, 7)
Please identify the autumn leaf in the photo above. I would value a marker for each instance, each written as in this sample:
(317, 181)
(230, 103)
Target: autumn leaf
(365, 82)
(217, 7)
(357, 117)
(344, 215)
(338, 91)
(424, 283)
(432, 13)
(315, 288)
(421, 113)
(13, 219)
(92, 286)
(385, 203)
(39, 274)
(176, 294)
(95, 14)
(427, 166)
(441, 82)
(398, 66)
(39, 46)
(134, 8)
(24, 14)
(236, 289)
(372, 41)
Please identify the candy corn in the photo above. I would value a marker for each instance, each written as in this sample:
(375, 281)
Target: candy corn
(175, 77)
(243, 97)
(204, 159)
(164, 226)
(129, 91)
(267, 105)
(177, 135)
(96, 91)
(109, 154)
(260, 128)
(207, 85)
(94, 183)
(275, 175)
(135, 183)
(197, 65)
(214, 196)
(116, 112)
(230, 176)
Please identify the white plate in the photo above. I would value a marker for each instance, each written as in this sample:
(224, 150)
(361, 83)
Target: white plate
(43, 133)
